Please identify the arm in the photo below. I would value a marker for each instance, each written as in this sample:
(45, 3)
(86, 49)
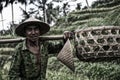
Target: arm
(56, 46)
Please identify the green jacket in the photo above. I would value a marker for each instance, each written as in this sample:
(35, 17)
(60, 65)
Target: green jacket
(25, 66)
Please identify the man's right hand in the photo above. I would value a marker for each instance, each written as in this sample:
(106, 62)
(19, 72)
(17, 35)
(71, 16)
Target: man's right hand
(68, 35)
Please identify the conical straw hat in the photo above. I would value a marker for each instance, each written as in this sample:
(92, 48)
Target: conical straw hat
(20, 30)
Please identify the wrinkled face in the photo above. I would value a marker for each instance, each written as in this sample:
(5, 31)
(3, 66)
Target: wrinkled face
(32, 33)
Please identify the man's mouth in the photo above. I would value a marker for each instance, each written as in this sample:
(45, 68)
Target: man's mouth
(34, 36)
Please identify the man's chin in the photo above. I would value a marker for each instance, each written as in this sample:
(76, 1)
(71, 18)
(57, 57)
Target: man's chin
(33, 39)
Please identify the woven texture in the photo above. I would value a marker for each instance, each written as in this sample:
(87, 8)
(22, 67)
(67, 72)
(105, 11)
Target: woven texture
(66, 56)
(98, 43)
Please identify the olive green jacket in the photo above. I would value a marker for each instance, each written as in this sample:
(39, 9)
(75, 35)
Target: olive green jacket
(24, 65)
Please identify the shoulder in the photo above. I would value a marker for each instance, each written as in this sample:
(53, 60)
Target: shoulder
(19, 46)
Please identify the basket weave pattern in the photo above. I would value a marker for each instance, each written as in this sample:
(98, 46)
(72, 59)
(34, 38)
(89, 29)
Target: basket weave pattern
(98, 42)
(66, 56)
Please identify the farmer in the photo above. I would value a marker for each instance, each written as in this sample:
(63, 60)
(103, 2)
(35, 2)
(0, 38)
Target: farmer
(31, 56)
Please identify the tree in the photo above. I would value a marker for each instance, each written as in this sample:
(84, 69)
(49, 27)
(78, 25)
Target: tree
(87, 4)
(7, 2)
(12, 9)
(49, 13)
(24, 2)
(1, 8)
(44, 10)
(65, 5)
(78, 6)
(40, 4)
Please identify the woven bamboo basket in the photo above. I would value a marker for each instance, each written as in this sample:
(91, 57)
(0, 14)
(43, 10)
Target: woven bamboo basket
(98, 43)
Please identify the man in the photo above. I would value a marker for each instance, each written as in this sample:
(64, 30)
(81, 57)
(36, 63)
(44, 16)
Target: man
(31, 56)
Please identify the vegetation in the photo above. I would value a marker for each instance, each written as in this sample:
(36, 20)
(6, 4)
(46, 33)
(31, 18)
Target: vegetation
(101, 13)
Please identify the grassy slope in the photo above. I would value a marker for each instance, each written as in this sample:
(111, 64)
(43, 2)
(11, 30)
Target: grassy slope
(87, 70)
(87, 18)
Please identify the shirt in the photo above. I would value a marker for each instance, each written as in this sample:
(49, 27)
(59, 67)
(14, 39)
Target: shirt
(28, 66)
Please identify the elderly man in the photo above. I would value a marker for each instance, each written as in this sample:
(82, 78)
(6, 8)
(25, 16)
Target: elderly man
(31, 56)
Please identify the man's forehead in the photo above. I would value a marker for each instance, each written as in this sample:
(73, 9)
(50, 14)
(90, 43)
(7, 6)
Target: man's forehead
(32, 26)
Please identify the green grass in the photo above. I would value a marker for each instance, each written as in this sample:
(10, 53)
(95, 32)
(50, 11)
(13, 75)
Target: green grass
(84, 70)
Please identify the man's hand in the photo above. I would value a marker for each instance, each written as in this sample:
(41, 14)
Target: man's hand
(68, 35)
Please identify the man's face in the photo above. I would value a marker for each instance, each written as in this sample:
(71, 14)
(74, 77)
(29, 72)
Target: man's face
(32, 33)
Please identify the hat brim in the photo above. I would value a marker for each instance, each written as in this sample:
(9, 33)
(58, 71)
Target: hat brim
(20, 30)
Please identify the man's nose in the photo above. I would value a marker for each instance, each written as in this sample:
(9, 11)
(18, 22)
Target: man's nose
(33, 31)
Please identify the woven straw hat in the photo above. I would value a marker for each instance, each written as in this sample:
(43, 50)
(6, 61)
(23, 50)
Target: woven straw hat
(20, 29)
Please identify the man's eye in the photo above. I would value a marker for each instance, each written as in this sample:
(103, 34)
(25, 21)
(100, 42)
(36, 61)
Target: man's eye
(36, 28)
(29, 29)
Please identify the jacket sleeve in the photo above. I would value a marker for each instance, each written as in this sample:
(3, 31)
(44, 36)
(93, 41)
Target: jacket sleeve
(55, 47)
(14, 73)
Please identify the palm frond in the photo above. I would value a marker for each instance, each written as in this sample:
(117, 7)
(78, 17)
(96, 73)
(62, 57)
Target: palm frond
(23, 1)
(6, 3)
(25, 14)
(1, 7)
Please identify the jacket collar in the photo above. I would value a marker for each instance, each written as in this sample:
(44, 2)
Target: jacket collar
(24, 47)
